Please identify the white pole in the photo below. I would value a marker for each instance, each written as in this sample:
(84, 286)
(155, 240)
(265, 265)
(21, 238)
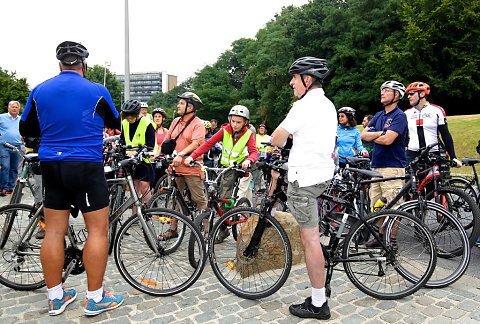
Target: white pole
(127, 56)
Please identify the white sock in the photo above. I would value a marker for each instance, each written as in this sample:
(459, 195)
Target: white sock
(96, 295)
(55, 292)
(274, 209)
(318, 297)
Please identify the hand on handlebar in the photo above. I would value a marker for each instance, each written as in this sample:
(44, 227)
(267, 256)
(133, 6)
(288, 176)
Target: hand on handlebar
(177, 161)
(456, 163)
(131, 153)
(246, 164)
(188, 161)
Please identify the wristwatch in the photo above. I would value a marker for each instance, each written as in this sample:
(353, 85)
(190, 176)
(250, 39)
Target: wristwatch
(181, 154)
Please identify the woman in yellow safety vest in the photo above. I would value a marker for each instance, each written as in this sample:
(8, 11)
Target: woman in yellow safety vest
(238, 146)
(138, 130)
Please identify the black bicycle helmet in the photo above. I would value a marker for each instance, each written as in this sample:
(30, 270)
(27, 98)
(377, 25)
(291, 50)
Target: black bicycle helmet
(309, 65)
(131, 107)
(70, 49)
(192, 99)
(159, 111)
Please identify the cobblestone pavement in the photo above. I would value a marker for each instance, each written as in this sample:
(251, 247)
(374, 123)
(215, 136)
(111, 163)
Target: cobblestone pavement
(208, 301)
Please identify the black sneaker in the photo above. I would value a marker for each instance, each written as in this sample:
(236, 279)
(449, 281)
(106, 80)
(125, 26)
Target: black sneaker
(307, 310)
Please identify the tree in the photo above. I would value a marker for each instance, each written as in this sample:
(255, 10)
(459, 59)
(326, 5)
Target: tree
(169, 100)
(12, 88)
(440, 45)
(114, 86)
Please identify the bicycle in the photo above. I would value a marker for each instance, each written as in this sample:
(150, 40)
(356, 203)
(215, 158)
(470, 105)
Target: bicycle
(453, 243)
(470, 186)
(204, 220)
(401, 265)
(30, 167)
(139, 256)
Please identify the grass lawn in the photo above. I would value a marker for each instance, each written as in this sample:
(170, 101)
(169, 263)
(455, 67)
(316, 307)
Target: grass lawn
(465, 131)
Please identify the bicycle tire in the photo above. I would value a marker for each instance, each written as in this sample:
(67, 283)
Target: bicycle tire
(192, 257)
(116, 200)
(163, 199)
(398, 271)
(466, 186)
(462, 206)
(17, 193)
(242, 202)
(263, 272)
(161, 182)
(167, 273)
(453, 246)
(18, 270)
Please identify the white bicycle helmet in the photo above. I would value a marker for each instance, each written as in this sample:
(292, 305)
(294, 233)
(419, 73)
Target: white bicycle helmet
(143, 105)
(394, 85)
(347, 111)
(241, 111)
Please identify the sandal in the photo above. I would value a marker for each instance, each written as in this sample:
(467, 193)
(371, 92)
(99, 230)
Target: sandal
(169, 234)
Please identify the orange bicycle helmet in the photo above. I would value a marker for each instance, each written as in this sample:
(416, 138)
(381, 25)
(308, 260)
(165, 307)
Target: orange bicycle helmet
(419, 86)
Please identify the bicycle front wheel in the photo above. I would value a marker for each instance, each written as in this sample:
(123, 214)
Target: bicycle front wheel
(167, 272)
(255, 265)
(400, 268)
(20, 266)
(453, 248)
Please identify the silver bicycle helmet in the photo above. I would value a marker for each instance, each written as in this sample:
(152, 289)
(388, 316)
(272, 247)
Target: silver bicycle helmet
(241, 111)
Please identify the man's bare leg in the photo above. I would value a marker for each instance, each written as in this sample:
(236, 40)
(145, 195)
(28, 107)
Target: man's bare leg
(52, 252)
(95, 252)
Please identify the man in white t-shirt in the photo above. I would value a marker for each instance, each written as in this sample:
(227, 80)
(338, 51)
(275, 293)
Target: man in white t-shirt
(310, 168)
(425, 122)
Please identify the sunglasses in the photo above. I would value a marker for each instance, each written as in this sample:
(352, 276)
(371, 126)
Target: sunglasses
(411, 93)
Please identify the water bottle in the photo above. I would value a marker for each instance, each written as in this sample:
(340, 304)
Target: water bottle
(379, 204)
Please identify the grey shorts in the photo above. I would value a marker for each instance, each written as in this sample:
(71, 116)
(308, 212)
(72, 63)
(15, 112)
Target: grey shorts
(303, 203)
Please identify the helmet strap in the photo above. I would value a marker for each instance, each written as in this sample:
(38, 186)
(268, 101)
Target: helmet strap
(419, 99)
(305, 85)
(393, 100)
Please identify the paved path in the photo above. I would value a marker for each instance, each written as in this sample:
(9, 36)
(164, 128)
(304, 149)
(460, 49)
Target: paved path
(207, 301)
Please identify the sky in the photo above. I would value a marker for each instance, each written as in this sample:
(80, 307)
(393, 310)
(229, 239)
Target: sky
(178, 37)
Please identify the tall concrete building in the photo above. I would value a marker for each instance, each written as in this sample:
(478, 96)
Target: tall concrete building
(144, 85)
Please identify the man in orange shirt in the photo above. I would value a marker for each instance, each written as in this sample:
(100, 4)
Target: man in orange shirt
(192, 135)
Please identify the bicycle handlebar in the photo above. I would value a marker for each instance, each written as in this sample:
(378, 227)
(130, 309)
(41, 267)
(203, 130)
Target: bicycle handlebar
(10, 146)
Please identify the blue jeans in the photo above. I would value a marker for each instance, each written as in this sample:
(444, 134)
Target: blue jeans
(9, 162)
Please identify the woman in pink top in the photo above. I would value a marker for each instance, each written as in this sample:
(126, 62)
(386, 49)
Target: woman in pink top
(159, 116)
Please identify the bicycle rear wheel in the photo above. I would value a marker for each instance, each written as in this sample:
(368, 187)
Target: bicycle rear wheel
(167, 272)
(249, 268)
(20, 266)
(397, 271)
(453, 247)
(462, 206)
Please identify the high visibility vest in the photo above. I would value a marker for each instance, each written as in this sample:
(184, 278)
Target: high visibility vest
(139, 136)
(234, 153)
(259, 139)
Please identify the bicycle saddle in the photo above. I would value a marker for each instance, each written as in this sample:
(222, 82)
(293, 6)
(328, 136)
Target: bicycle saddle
(367, 173)
(467, 161)
(31, 157)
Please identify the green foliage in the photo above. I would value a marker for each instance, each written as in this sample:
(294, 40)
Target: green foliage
(365, 42)
(12, 88)
(115, 87)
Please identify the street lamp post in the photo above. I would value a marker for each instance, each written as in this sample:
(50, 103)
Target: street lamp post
(107, 63)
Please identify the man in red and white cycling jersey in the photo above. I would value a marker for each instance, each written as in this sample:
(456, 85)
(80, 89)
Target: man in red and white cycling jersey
(425, 121)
